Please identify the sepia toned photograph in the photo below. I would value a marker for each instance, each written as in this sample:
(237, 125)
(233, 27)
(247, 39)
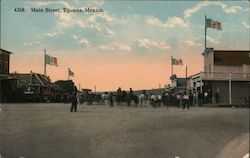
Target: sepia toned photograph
(124, 79)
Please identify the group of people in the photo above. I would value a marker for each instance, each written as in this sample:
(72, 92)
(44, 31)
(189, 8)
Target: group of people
(171, 98)
(181, 99)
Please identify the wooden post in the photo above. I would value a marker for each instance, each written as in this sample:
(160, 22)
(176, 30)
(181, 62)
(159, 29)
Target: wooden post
(230, 88)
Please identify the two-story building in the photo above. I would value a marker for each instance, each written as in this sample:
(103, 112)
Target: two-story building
(226, 75)
(7, 82)
(4, 61)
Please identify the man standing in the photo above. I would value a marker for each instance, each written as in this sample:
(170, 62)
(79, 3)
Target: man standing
(74, 102)
(186, 101)
(200, 98)
(111, 100)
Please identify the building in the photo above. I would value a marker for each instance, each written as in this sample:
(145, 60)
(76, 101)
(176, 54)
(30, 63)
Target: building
(226, 76)
(37, 88)
(7, 82)
(178, 84)
(4, 61)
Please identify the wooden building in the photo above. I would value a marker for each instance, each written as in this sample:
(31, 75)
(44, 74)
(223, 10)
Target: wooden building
(38, 88)
(226, 75)
(7, 82)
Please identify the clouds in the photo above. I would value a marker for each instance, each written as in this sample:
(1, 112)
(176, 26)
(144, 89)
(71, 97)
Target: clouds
(84, 41)
(32, 43)
(51, 34)
(226, 9)
(147, 43)
(169, 23)
(245, 25)
(116, 46)
(191, 43)
(120, 30)
(81, 40)
(123, 47)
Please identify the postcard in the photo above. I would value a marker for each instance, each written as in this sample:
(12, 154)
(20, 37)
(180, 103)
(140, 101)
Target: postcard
(124, 79)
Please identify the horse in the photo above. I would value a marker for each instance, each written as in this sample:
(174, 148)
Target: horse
(131, 98)
(121, 98)
(143, 99)
(104, 98)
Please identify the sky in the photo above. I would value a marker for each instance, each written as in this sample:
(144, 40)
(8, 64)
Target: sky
(129, 44)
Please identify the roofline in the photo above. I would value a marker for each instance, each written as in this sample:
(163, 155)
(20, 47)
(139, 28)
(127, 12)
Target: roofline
(6, 51)
(231, 50)
(13, 73)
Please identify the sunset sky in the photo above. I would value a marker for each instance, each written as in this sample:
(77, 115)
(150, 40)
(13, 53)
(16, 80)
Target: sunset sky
(130, 44)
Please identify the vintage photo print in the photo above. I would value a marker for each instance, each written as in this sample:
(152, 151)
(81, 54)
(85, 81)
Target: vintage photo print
(124, 79)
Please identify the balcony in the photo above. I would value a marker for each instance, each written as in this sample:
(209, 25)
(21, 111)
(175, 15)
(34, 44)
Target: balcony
(225, 76)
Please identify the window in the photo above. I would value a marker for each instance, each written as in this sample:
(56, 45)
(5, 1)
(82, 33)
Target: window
(1, 66)
(6, 67)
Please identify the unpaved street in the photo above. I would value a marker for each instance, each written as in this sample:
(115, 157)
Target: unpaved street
(98, 131)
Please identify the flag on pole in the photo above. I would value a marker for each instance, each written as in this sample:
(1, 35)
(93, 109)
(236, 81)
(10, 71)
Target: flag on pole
(213, 24)
(50, 60)
(177, 61)
(71, 73)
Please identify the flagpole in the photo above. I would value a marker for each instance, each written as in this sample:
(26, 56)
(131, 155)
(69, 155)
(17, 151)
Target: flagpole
(205, 32)
(171, 65)
(68, 74)
(44, 62)
(186, 77)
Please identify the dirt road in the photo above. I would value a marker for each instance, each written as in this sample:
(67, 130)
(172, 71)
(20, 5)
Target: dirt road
(51, 131)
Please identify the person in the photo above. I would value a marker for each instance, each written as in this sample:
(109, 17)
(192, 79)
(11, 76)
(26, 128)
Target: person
(159, 100)
(186, 100)
(163, 98)
(217, 97)
(111, 99)
(166, 99)
(73, 102)
(152, 100)
(191, 98)
(178, 97)
(200, 98)
(131, 91)
(205, 97)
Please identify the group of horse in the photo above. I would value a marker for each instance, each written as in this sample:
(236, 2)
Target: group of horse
(124, 99)
(119, 98)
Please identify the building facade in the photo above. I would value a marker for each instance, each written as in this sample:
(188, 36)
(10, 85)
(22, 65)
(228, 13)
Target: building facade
(226, 76)
(7, 82)
(4, 61)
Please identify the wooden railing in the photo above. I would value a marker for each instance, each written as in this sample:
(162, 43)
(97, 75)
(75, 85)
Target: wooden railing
(225, 76)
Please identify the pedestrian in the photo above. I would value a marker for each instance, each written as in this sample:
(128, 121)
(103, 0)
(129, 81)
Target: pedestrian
(178, 97)
(159, 99)
(200, 98)
(191, 98)
(111, 100)
(205, 97)
(73, 102)
(152, 100)
(186, 100)
(217, 97)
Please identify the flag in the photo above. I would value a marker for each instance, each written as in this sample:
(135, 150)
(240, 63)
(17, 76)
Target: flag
(209, 22)
(177, 61)
(50, 60)
(71, 73)
(216, 25)
(213, 24)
